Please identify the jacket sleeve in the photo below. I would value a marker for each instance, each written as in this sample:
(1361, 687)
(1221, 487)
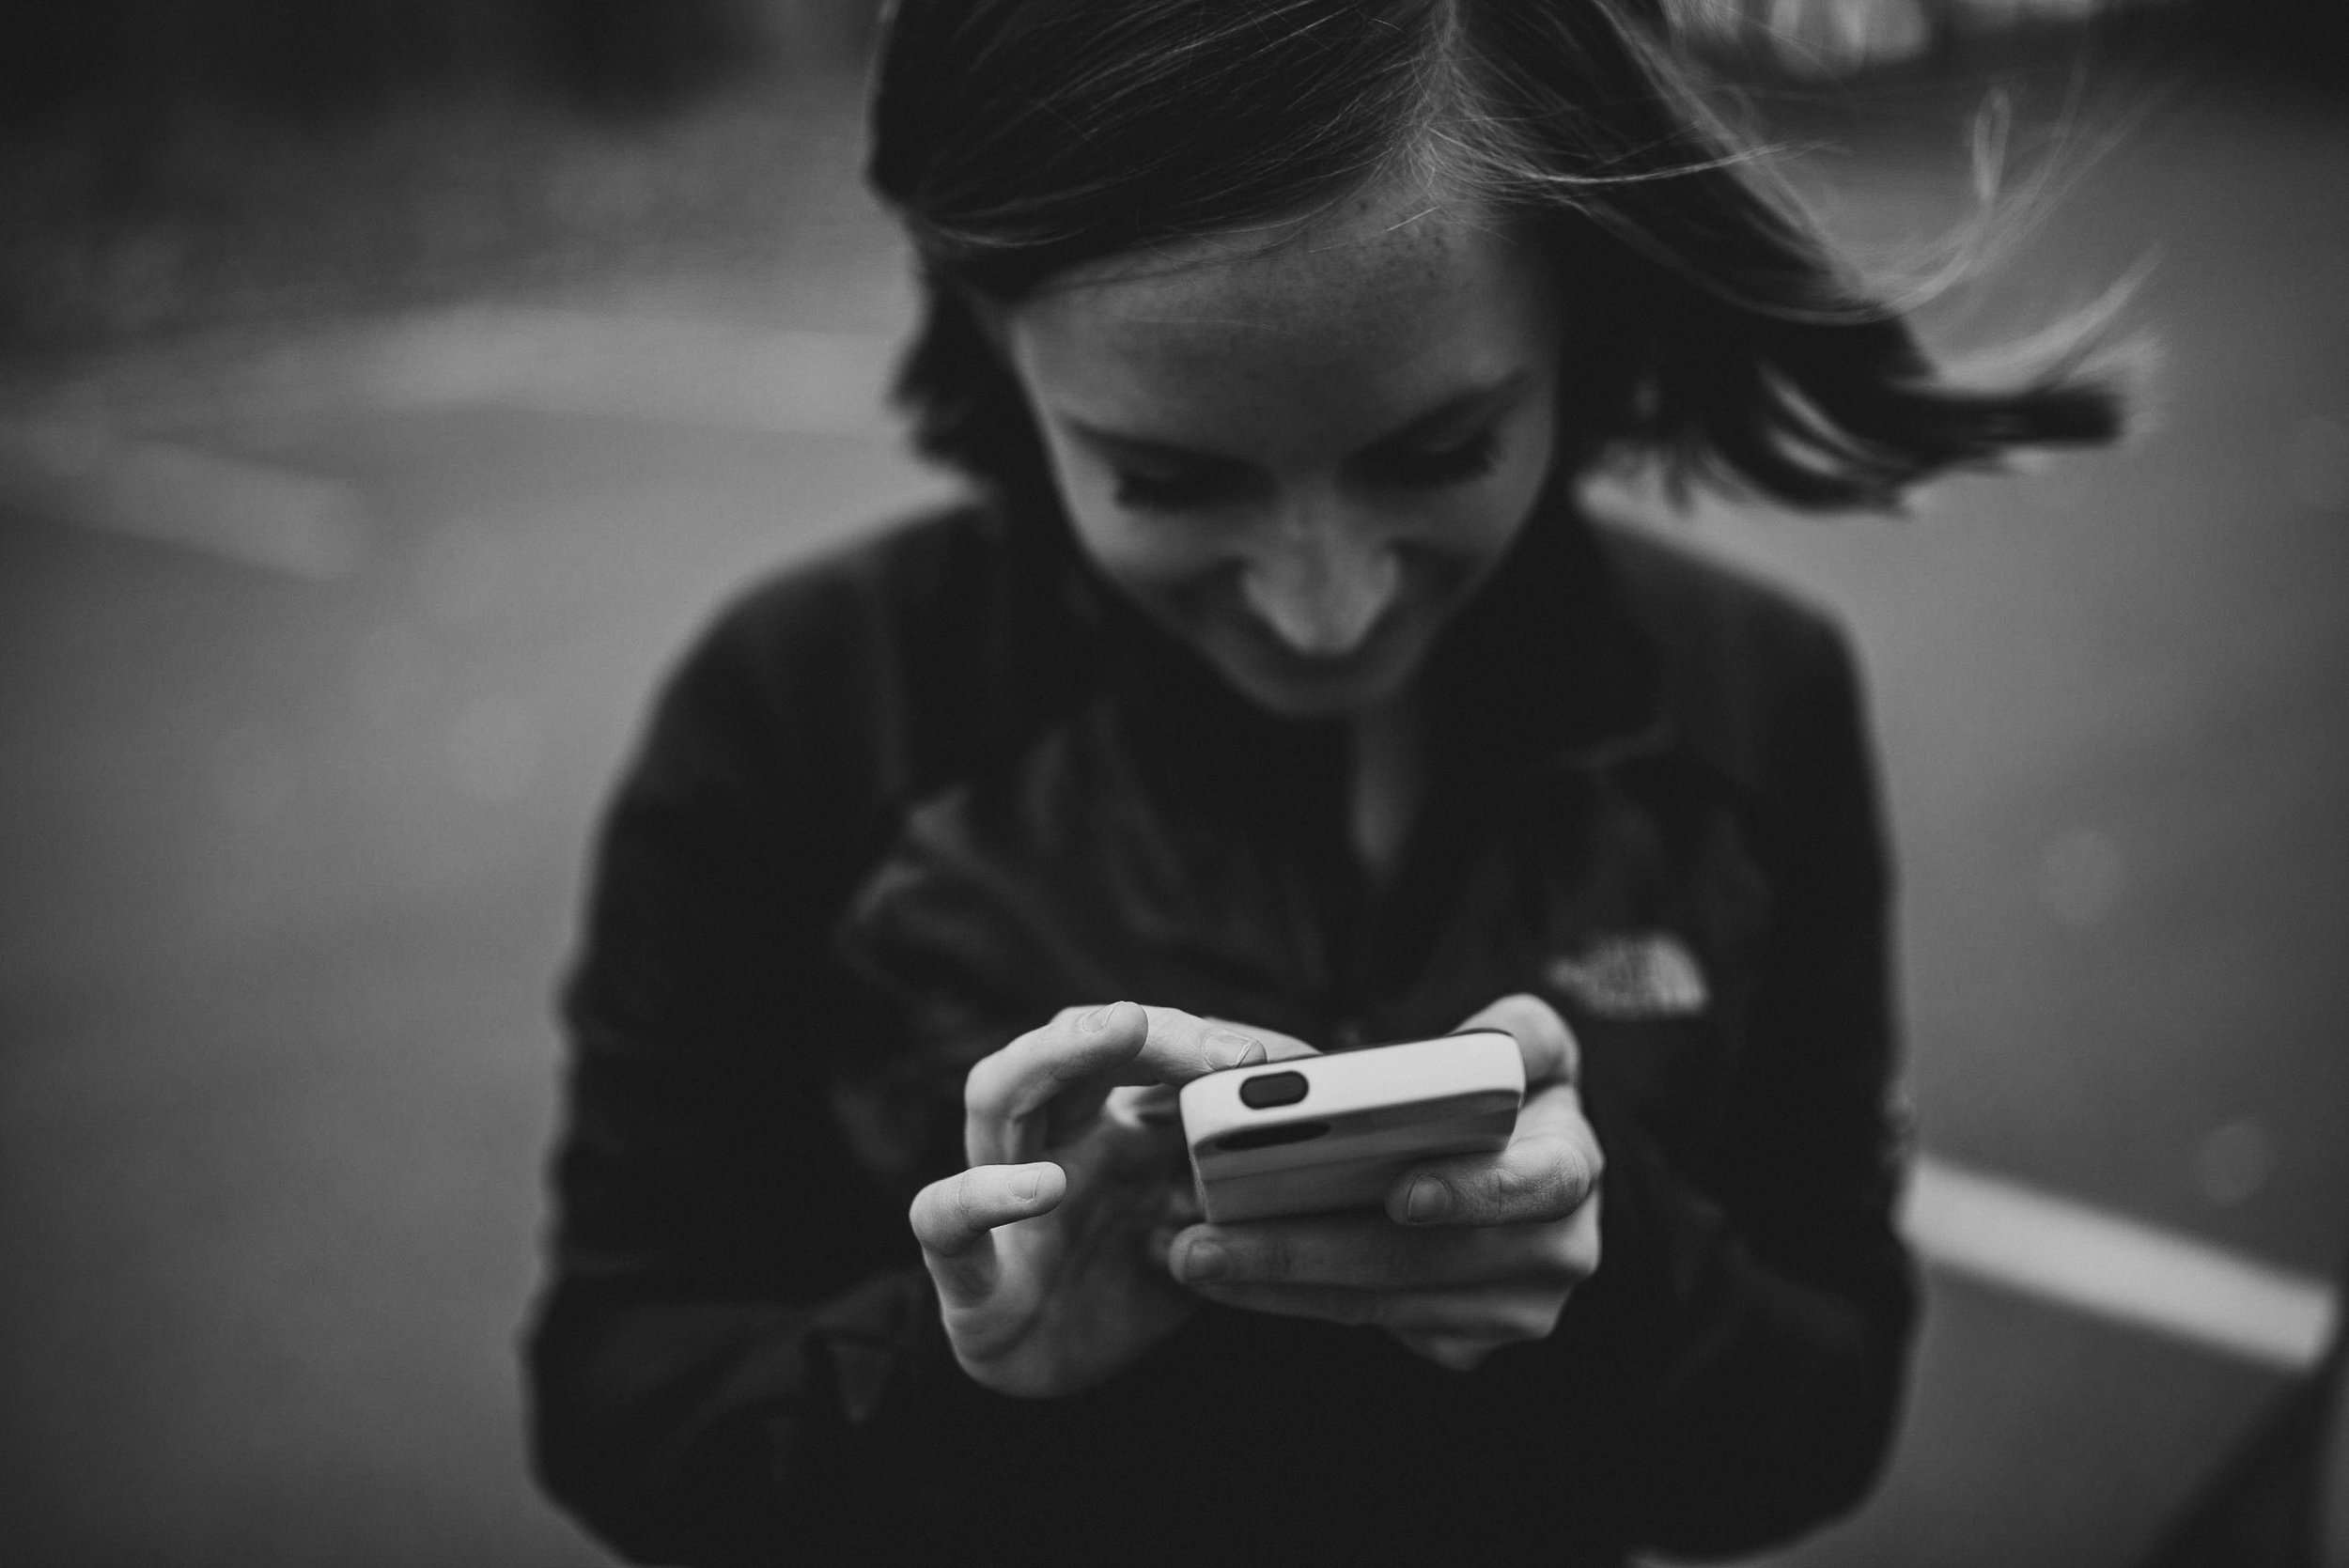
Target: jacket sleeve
(736, 1346)
(1766, 1300)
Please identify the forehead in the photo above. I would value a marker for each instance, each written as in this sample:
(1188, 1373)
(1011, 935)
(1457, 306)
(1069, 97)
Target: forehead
(1352, 318)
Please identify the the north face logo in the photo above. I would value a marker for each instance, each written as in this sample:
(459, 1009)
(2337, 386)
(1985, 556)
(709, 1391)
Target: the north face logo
(1648, 975)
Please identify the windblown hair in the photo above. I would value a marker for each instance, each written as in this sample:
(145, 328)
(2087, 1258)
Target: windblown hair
(1714, 327)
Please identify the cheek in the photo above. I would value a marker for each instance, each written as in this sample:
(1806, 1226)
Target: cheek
(1171, 566)
(1523, 475)
(1138, 548)
(1477, 523)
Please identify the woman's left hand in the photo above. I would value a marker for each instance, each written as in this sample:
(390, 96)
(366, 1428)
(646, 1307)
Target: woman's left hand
(1473, 1252)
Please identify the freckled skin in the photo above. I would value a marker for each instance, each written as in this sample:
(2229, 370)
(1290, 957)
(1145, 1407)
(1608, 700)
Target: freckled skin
(1315, 580)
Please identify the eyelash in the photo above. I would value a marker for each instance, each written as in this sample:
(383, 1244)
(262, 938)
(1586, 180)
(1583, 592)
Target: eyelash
(1425, 471)
(1150, 492)
(1451, 465)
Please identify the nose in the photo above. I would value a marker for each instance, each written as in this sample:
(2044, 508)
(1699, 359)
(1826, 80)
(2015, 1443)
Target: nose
(1321, 588)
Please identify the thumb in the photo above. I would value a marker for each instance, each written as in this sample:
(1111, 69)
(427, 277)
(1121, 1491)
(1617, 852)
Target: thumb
(1545, 1040)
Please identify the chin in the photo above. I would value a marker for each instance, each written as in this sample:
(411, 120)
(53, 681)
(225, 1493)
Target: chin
(1257, 663)
(1295, 687)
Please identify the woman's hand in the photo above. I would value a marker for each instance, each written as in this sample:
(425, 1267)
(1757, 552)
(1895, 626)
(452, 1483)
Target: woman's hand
(1474, 1251)
(1040, 1250)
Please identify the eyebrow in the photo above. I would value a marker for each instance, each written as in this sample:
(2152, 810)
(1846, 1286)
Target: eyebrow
(1461, 408)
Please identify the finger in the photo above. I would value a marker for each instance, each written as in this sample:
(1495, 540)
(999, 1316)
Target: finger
(1450, 1352)
(1368, 1252)
(955, 1221)
(1351, 1309)
(1551, 1051)
(1549, 1168)
(1153, 1105)
(1178, 1047)
(1495, 1317)
(1006, 1087)
(1278, 1047)
(1183, 1046)
(1088, 1051)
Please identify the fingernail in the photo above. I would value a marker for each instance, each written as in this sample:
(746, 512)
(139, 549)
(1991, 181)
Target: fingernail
(1229, 1048)
(1099, 1020)
(1206, 1260)
(1430, 1200)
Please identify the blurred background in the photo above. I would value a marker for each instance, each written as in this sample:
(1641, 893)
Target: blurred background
(391, 388)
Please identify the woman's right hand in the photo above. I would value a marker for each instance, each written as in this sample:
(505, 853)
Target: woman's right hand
(1041, 1250)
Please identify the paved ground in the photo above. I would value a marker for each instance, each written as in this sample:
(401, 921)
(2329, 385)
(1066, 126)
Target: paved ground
(316, 653)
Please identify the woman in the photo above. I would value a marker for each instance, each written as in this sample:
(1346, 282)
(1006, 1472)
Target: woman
(1269, 694)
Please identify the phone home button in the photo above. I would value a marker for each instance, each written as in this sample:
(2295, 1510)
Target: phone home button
(1267, 1090)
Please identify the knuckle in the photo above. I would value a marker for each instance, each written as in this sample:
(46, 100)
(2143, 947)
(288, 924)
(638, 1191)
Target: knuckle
(1566, 1254)
(1456, 1354)
(1528, 1188)
(963, 1199)
(1422, 1267)
(1593, 1164)
(1549, 1192)
(1558, 1181)
(1564, 1191)
(1503, 1190)
(1556, 1255)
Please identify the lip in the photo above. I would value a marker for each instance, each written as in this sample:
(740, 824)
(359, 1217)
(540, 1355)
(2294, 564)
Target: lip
(1365, 651)
(1208, 613)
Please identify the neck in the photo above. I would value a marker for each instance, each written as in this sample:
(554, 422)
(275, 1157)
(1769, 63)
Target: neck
(1388, 776)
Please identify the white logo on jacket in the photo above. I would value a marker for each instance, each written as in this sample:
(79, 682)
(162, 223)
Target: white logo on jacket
(1648, 975)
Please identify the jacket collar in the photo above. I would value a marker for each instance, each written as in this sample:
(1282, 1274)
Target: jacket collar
(1547, 666)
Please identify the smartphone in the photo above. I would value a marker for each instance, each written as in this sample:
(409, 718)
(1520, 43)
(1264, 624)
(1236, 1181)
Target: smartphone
(1319, 1133)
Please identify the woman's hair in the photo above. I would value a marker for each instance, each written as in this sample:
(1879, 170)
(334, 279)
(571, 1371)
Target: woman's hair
(1713, 325)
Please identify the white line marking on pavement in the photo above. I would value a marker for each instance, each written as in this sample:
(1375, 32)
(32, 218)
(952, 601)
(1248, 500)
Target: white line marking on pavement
(293, 525)
(2009, 1234)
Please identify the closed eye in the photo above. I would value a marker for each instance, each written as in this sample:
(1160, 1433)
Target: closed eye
(1436, 468)
(1174, 491)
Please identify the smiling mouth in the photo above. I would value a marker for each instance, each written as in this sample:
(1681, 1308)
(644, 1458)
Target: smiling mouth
(1317, 678)
(1287, 656)
(1217, 620)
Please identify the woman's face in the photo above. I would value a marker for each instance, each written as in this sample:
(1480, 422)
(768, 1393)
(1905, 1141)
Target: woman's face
(1301, 457)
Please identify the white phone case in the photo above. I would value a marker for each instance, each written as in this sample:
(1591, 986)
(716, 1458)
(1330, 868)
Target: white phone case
(1317, 1133)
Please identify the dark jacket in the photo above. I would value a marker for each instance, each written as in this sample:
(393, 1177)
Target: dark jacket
(909, 800)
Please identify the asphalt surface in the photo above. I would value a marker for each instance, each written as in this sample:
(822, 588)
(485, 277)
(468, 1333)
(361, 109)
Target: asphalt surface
(319, 649)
